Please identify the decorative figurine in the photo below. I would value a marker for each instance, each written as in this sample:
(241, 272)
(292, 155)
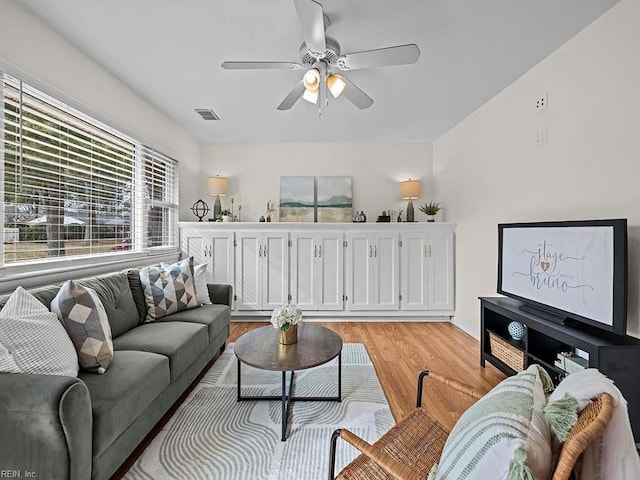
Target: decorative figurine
(262, 218)
(200, 209)
(399, 216)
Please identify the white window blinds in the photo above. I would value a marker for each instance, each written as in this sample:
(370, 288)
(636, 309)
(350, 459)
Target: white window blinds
(74, 186)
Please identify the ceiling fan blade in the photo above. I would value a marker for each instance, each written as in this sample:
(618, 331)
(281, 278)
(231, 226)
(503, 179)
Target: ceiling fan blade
(292, 97)
(380, 57)
(312, 21)
(261, 66)
(355, 95)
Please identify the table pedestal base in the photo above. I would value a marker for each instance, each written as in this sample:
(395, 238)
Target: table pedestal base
(287, 398)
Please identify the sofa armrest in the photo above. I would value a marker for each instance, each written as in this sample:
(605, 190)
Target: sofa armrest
(221, 293)
(46, 426)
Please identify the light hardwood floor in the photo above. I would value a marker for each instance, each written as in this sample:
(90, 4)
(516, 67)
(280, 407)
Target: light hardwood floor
(401, 350)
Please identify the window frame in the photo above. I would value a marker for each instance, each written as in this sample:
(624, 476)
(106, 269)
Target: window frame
(140, 206)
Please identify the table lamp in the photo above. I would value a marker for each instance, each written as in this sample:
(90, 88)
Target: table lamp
(410, 190)
(217, 186)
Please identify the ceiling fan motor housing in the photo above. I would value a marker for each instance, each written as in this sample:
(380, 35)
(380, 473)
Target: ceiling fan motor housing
(329, 56)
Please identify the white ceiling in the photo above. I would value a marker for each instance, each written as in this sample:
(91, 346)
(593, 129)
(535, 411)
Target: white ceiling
(170, 53)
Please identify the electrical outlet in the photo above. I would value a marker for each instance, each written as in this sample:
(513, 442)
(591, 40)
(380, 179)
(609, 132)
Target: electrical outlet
(541, 136)
(542, 102)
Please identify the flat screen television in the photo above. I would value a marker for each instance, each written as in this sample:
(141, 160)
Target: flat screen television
(574, 270)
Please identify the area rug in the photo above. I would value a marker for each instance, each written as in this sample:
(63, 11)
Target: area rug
(213, 437)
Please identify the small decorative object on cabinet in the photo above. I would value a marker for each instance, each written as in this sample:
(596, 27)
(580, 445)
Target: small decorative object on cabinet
(516, 330)
(200, 209)
(410, 190)
(286, 319)
(616, 356)
(431, 209)
(384, 218)
(399, 216)
(269, 210)
(359, 217)
(262, 219)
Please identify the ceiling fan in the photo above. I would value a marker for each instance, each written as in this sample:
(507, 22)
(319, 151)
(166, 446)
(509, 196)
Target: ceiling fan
(320, 55)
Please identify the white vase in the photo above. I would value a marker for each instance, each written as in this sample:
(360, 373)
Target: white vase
(226, 218)
(431, 218)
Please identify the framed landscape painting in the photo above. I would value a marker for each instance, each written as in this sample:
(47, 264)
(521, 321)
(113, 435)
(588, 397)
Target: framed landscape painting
(335, 200)
(297, 199)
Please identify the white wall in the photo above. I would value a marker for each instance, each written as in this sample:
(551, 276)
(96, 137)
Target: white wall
(254, 173)
(30, 46)
(487, 169)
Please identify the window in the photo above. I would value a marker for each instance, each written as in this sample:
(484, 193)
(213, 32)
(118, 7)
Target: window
(74, 186)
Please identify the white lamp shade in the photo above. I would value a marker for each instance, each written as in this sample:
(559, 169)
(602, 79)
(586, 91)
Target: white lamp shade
(218, 186)
(410, 189)
(311, 79)
(310, 96)
(336, 85)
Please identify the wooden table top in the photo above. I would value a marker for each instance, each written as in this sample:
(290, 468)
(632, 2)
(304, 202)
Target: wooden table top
(316, 345)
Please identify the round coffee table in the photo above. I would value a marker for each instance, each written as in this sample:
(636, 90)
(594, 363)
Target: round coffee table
(260, 349)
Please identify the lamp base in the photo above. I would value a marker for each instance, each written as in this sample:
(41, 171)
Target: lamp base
(217, 208)
(410, 212)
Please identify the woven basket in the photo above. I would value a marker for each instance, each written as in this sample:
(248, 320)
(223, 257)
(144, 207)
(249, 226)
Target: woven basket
(507, 353)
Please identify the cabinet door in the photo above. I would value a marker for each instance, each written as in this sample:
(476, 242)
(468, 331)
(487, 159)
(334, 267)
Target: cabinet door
(196, 244)
(331, 272)
(220, 269)
(414, 279)
(440, 291)
(359, 271)
(304, 271)
(386, 273)
(275, 269)
(248, 286)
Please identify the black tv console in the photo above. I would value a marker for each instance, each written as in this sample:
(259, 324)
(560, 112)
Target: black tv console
(616, 356)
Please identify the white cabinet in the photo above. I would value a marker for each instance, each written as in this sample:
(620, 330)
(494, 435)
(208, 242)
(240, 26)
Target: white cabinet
(262, 266)
(212, 247)
(427, 271)
(373, 271)
(317, 270)
(397, 270)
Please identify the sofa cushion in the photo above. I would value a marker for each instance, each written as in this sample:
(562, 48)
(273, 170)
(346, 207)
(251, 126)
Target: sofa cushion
(114, 292)
(182, 342)
(83, 316)
(133, 275)
(215, 317)
(118, 397)
(43, 294)
(503, 435)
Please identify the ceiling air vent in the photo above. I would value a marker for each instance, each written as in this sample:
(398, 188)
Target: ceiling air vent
(207, 114)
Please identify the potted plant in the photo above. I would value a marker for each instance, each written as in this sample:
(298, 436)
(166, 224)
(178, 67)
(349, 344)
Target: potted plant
(430, 209)
(224, 216)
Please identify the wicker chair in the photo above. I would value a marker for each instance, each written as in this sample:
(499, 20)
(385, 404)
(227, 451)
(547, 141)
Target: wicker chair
(410, 448)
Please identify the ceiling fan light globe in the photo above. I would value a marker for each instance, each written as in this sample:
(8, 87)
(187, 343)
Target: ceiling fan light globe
(311, 96)
(336, 85)
(311, 79)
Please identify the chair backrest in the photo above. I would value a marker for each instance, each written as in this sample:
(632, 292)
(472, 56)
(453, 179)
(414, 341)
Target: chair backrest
(590, 425)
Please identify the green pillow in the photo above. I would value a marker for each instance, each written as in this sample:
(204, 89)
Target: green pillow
(502, 435)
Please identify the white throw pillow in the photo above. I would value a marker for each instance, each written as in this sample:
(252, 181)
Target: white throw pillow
(202, 292)
(34, 339)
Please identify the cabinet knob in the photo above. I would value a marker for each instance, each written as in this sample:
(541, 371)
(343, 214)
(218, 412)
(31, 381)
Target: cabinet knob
(260, 250)
(370, 251)
(320, 251)
(375, 251)
(315, 251)
(430, 251)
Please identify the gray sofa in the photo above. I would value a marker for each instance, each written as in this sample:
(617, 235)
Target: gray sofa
(86, 427)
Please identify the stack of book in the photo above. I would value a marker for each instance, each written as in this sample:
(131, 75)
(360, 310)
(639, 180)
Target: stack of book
(570, 362)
